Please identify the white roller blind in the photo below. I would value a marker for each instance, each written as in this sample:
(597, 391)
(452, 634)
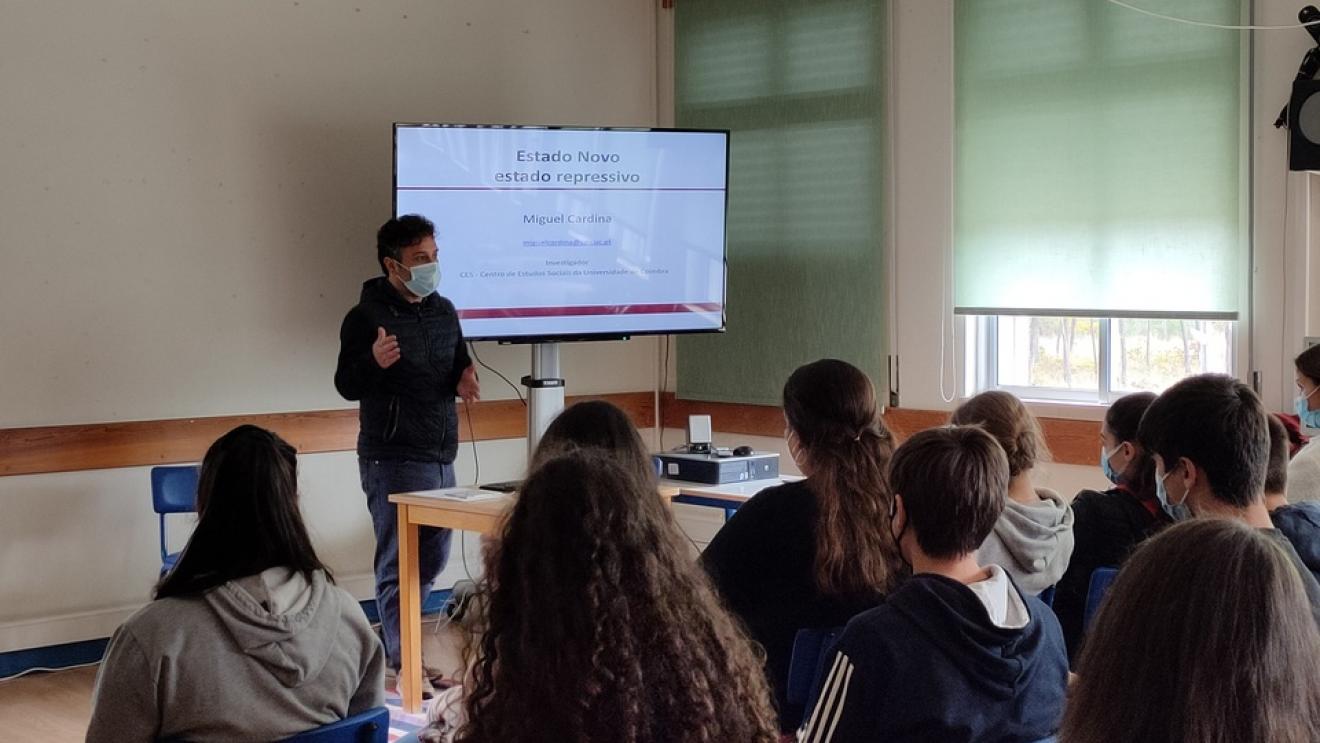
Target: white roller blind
(1100, 166)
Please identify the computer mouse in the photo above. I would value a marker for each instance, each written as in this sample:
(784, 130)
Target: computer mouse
(743, 451)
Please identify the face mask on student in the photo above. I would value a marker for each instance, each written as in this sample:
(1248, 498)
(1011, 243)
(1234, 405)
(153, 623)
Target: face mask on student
(1309, 418)
(1176, 511)
(1108, 468)
(425, 279)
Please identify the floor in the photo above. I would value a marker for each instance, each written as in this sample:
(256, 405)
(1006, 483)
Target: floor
(55, 707)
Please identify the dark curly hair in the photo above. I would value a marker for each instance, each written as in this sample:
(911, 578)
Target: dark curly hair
(600, 628)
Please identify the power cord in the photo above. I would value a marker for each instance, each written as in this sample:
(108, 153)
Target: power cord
(472, 349)
(43, 669)
(1207, 24)
(664, 386)
(472, 438)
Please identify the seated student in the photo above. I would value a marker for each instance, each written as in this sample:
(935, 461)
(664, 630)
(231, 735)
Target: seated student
(812, 554)
(592, 425)
(1209, 435)
(1033, 539)
(958, 652)
(597, 626)
(1107, 525)
(1304, 469)
(596, 425)
(1206, 636)
(1299, 522)
(248, 638)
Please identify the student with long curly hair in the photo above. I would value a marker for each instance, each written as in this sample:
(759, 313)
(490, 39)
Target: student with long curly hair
(597, 627)
(1206, 637)
(813, 554)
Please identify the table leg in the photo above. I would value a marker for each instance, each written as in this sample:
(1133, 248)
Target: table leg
(410, 616)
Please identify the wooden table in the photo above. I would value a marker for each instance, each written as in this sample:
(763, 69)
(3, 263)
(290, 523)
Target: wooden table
(729, 497)
(428, 509)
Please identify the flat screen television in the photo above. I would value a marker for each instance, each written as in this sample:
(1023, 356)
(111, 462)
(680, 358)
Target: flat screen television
(561, 233)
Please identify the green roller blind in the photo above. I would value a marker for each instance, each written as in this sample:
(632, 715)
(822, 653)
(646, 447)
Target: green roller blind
(801, 87)
(1100, 159)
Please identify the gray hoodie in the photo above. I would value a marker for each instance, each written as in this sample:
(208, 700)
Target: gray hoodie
(1032, 542)
(256, 659)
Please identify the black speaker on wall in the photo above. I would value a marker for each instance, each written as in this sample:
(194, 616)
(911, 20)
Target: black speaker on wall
(1304, 126)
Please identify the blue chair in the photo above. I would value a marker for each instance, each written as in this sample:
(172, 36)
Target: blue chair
(372, 726)
(1101, 578)
(173, 490)
(811, 651)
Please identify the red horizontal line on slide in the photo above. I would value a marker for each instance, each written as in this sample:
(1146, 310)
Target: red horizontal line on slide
(544, 188)
(603, 309)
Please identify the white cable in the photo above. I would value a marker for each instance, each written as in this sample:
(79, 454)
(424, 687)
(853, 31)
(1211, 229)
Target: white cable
(26, 671)
(1207, 24)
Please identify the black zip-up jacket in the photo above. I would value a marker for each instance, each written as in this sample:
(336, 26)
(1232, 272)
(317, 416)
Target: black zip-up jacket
(407, 411)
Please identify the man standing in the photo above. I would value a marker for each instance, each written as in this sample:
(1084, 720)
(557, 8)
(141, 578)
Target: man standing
(401, 354)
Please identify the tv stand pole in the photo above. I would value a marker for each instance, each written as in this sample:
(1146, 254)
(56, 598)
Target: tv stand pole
(545, 392)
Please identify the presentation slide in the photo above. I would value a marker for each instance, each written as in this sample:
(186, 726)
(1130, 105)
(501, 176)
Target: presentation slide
(549, 233)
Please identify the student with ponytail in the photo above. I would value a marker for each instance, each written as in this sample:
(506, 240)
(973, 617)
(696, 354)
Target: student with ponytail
(813, 553)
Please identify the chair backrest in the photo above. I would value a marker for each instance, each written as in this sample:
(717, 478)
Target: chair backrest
(810, 650)
(1101, 578)
(174, 488)
(372, 726)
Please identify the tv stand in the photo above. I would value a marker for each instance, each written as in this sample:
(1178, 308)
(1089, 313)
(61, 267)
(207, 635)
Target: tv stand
(545, 392)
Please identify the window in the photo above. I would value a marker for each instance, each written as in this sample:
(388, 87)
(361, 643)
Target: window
(1100, 225)
(801, 86)
(1092, 359)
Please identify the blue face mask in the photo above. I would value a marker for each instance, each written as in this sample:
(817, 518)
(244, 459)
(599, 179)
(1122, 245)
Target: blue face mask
(1177, 511)
(1108, 468)
(425, 279)
(1309, 418)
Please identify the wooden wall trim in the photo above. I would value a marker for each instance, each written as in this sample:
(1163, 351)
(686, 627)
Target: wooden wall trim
(1070, 441)
(26, 451)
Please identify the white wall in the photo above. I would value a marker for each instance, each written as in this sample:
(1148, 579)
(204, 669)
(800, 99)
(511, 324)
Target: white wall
(188, 197)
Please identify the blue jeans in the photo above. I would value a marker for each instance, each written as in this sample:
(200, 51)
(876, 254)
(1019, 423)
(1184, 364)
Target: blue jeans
(379, 480)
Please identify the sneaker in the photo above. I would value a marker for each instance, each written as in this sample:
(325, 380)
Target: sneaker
(392, 683)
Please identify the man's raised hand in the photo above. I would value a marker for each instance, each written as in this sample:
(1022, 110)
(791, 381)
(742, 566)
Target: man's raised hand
(385, 350)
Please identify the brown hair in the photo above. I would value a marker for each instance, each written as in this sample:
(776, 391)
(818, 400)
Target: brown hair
(597, 425)
(1008, 420)
(1276, 472)
(1207, 636)
(830, 405)
(953, 481)
(599, 627)
(1308, 363)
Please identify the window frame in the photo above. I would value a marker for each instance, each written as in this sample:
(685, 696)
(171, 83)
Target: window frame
(982, 354)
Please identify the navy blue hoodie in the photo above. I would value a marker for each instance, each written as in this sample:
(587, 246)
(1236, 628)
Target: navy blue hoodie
(929, 665)
(1300, 523)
